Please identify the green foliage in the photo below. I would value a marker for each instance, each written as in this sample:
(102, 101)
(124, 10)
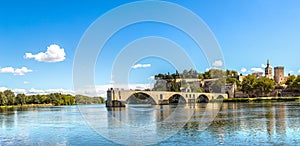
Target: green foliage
(8, 98)
(82, 99)
(293, 83)
(185, 74)
(249, 84)
(231, 80)
(194, 88)
(3, 99)
(21, 99)
(234, 80)
(296, 84)
(266, 85)
(214, 73)
(290, 80)
(201, 76)
(217, 85)
(160, 87)
(231, 73)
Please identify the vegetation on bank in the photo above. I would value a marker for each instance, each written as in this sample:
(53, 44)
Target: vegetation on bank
(193, 74)
(251, 85)
(8, 98)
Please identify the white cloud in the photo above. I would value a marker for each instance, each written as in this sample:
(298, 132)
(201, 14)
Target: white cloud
(26, 82)
(22, 71)
(7, 70)
(16, 72)
(257, 69)
(218, 63)
(141, 66)
(63, 91)
(19, 91)
(2, 89)
(151, 78)
(243, 70)
(54, 53)
(299, 71)
(34, 91)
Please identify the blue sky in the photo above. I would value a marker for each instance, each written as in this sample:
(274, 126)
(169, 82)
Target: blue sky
(249, 32)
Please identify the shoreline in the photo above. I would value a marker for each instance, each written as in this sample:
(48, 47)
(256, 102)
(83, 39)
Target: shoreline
(26, 106)
(261, 99)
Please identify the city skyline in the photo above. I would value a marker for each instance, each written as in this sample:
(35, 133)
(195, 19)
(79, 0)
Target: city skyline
(39, 41)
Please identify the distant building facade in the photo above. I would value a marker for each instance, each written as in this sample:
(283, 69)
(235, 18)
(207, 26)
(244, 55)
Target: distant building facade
(279, 74)
(268, 70)
(258, 74)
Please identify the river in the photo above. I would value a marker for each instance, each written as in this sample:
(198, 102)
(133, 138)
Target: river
(272, 123)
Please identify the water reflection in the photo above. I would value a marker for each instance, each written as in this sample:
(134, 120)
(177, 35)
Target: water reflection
(188, 124)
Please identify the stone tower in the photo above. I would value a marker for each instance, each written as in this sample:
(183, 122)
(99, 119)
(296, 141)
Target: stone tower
(268, 70)
(279, 74)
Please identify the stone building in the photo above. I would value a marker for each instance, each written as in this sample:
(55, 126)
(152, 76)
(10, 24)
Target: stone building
(258, 74)
(268, 70)
(279, 74)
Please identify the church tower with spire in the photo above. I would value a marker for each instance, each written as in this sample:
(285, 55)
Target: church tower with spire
(268, 70)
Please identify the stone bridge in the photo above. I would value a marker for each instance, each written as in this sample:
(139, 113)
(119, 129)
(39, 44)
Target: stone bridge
(118, 98)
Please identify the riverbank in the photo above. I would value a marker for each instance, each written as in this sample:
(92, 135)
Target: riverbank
(262, 99)
(26, 105)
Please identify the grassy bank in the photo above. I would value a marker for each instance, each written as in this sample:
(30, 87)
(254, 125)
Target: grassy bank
(261, 99)
(26, 105)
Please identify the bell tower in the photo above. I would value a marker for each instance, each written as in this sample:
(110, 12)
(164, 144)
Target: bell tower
(268, 70)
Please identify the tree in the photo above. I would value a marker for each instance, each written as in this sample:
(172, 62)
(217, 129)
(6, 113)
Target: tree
(201, 76)
(289, 81)
(231, 73)
(265, 85)
(248, 84)
(217, 85)
(194, 88)
(21, 99)
(296, 84)
(55, 98)
(234, 80)
(3, 99)
(10, 97)
(214, 73)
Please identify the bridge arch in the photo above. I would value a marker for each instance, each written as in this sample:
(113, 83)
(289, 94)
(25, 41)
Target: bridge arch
(220, 97)
(140, 98)
(202, 99)
(177, 99)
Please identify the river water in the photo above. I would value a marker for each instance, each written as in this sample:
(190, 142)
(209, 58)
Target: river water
(276, 123)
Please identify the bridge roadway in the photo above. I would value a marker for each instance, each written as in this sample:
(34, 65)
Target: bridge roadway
(118, 98)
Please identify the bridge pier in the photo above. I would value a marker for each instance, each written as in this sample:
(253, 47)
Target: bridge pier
(115, 103)
(112, 100)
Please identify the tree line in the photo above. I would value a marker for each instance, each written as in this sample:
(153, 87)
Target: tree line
(193, 74)
(173, 85)
(8, 97)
